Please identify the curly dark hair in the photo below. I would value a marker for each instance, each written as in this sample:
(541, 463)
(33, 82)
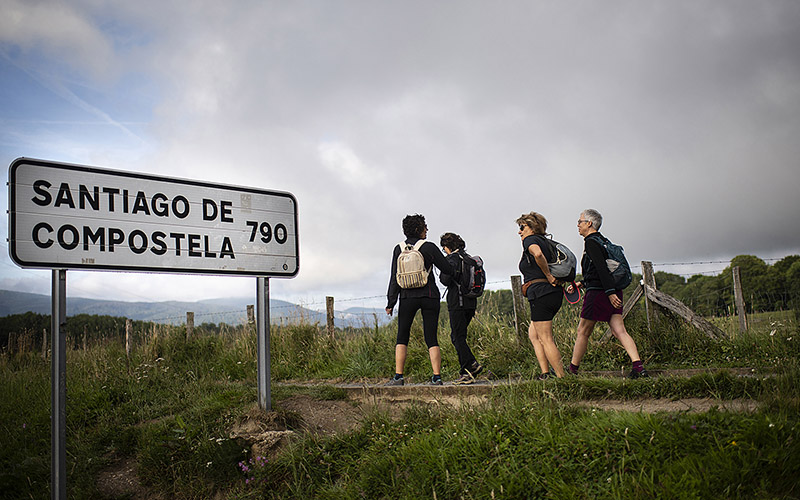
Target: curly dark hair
(414, 225)
(452, 241)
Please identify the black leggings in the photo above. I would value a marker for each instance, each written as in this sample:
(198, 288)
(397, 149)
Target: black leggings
(459, 322)
(430, 319)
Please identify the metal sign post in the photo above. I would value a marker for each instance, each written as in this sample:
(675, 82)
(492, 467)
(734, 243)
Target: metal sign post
(262, 335)
(58, 396)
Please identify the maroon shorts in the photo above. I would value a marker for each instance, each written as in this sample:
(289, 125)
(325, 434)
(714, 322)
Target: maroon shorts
(597, 307)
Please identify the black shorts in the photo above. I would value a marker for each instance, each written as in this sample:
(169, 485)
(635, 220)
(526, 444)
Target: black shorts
(544, 308)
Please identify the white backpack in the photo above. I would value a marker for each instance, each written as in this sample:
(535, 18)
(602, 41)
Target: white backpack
(411, 272)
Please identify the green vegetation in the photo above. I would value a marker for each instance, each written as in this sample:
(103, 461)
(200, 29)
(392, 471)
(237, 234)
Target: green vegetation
(169, 408)
(538, 447)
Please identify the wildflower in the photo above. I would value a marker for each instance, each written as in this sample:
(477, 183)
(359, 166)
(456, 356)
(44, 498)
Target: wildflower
(693, 427)
(733, 443)
(208, 464)
(25, 426)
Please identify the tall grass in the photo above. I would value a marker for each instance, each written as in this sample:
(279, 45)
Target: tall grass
(171, 404)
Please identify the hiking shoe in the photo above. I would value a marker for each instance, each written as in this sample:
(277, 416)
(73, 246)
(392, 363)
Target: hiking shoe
(436, 381)
(396, 381)
(464, 379)
(641, 374)
(475, 369)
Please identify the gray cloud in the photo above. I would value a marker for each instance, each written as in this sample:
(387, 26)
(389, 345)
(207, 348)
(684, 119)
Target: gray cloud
(678, 121)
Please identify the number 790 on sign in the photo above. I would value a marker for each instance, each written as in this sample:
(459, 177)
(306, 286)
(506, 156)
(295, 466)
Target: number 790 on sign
(266, 232)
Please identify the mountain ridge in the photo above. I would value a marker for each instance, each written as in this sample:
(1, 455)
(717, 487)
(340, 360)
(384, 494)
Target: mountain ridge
(232, 310)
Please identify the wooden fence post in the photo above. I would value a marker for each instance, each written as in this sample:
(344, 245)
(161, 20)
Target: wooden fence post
(10, 345)
(189, 325)
(329, 315)
(44, 343)
(672, 304)
(739, 299)
(251, 316)
(649, 278)
(521, 315)
(128, 332)
(85, 337)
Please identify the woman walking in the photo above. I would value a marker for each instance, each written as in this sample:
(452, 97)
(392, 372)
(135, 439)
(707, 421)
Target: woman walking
(460, 308)
(417, 296)
(542, 290)
(603, 301)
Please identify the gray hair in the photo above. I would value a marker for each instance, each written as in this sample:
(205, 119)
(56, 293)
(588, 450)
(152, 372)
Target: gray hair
(594, 217)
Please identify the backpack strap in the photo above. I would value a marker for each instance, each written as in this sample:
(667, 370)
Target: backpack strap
(418, 244)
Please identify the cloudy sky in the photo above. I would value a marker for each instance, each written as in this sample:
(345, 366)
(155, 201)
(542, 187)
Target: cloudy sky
(679, 121)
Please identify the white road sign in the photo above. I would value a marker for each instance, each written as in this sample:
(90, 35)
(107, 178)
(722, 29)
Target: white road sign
(64, 216)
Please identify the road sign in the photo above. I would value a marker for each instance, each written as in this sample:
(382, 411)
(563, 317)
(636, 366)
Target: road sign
(64, 216)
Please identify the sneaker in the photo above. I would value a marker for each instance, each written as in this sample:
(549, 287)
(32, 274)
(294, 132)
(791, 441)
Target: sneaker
(543, 376)
(475, 369)
(396, 381)
(641, 374)
(436, 381)
(464, 379)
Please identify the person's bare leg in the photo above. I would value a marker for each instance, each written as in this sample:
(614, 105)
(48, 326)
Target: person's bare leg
(436, 359)
(538, 348)
(400, 352)
(618, 329)
(544, 330)
(582, 334)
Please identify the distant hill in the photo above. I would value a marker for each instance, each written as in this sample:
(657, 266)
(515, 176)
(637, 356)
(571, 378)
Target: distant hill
(232, 311)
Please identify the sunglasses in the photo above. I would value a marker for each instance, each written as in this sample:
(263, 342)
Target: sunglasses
(522, 228)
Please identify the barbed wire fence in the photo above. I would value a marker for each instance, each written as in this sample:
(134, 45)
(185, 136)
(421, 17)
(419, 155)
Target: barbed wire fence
(718, 300)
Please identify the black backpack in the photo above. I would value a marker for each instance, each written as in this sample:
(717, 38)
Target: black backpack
(472, 277)
(617, 263)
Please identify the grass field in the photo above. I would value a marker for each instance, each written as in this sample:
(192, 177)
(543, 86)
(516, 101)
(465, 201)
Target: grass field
(169, 408)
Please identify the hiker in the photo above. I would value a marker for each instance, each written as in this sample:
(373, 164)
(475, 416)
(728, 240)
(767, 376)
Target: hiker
(543, 291)
(417, 291)
(603, 301)
(460, 308)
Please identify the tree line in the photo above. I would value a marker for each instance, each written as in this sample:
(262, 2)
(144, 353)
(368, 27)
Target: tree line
(766, 288)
